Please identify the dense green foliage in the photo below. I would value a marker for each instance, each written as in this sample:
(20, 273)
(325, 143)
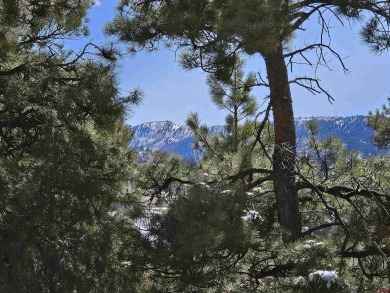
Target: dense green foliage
(63, 157)
(380, 122)
(221, 234)
(70, 223)
(212, 35)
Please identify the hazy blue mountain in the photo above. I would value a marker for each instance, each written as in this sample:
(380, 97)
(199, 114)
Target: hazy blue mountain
(170, 137)
(353, 131)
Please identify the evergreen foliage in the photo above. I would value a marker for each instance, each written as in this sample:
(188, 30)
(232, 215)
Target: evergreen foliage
(211, 35)
(221, 235)
(225, 224)
(63, 157)
(380, 122)
(345, 243)
(233, 96)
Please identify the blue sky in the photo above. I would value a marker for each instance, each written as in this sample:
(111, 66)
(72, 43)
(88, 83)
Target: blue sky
(172, 93)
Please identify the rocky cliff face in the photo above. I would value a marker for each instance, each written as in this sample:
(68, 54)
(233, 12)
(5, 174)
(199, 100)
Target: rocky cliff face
(170, 137)
(163, 136)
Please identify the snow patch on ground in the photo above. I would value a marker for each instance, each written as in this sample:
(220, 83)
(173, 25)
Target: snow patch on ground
(251, 215)
(312, 243)
(329, 277)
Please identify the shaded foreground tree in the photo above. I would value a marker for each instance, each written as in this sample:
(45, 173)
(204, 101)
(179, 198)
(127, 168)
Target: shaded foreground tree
(63, 157)
(211, 34)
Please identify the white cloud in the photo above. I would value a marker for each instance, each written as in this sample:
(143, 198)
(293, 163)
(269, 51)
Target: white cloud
(97, 2)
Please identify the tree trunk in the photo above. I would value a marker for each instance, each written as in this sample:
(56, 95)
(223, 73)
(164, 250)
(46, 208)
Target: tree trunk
(235, 129)
(285, 143)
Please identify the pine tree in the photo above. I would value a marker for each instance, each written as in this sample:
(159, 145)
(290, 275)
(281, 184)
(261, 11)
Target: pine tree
(210, 35)
(234, 153)
(344, 199)
(380, 122)
(63, 158)
(221, 235)
(234, 96)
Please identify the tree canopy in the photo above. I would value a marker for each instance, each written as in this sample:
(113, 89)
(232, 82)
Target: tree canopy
(80, 212)
(211, 34)
(380, 122)
(317, 193)
(64, 157)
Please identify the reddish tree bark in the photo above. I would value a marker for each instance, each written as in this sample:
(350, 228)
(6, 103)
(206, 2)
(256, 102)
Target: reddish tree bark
(285, 143)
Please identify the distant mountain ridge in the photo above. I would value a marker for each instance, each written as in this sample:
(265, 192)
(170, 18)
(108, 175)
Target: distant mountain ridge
(172, 138)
